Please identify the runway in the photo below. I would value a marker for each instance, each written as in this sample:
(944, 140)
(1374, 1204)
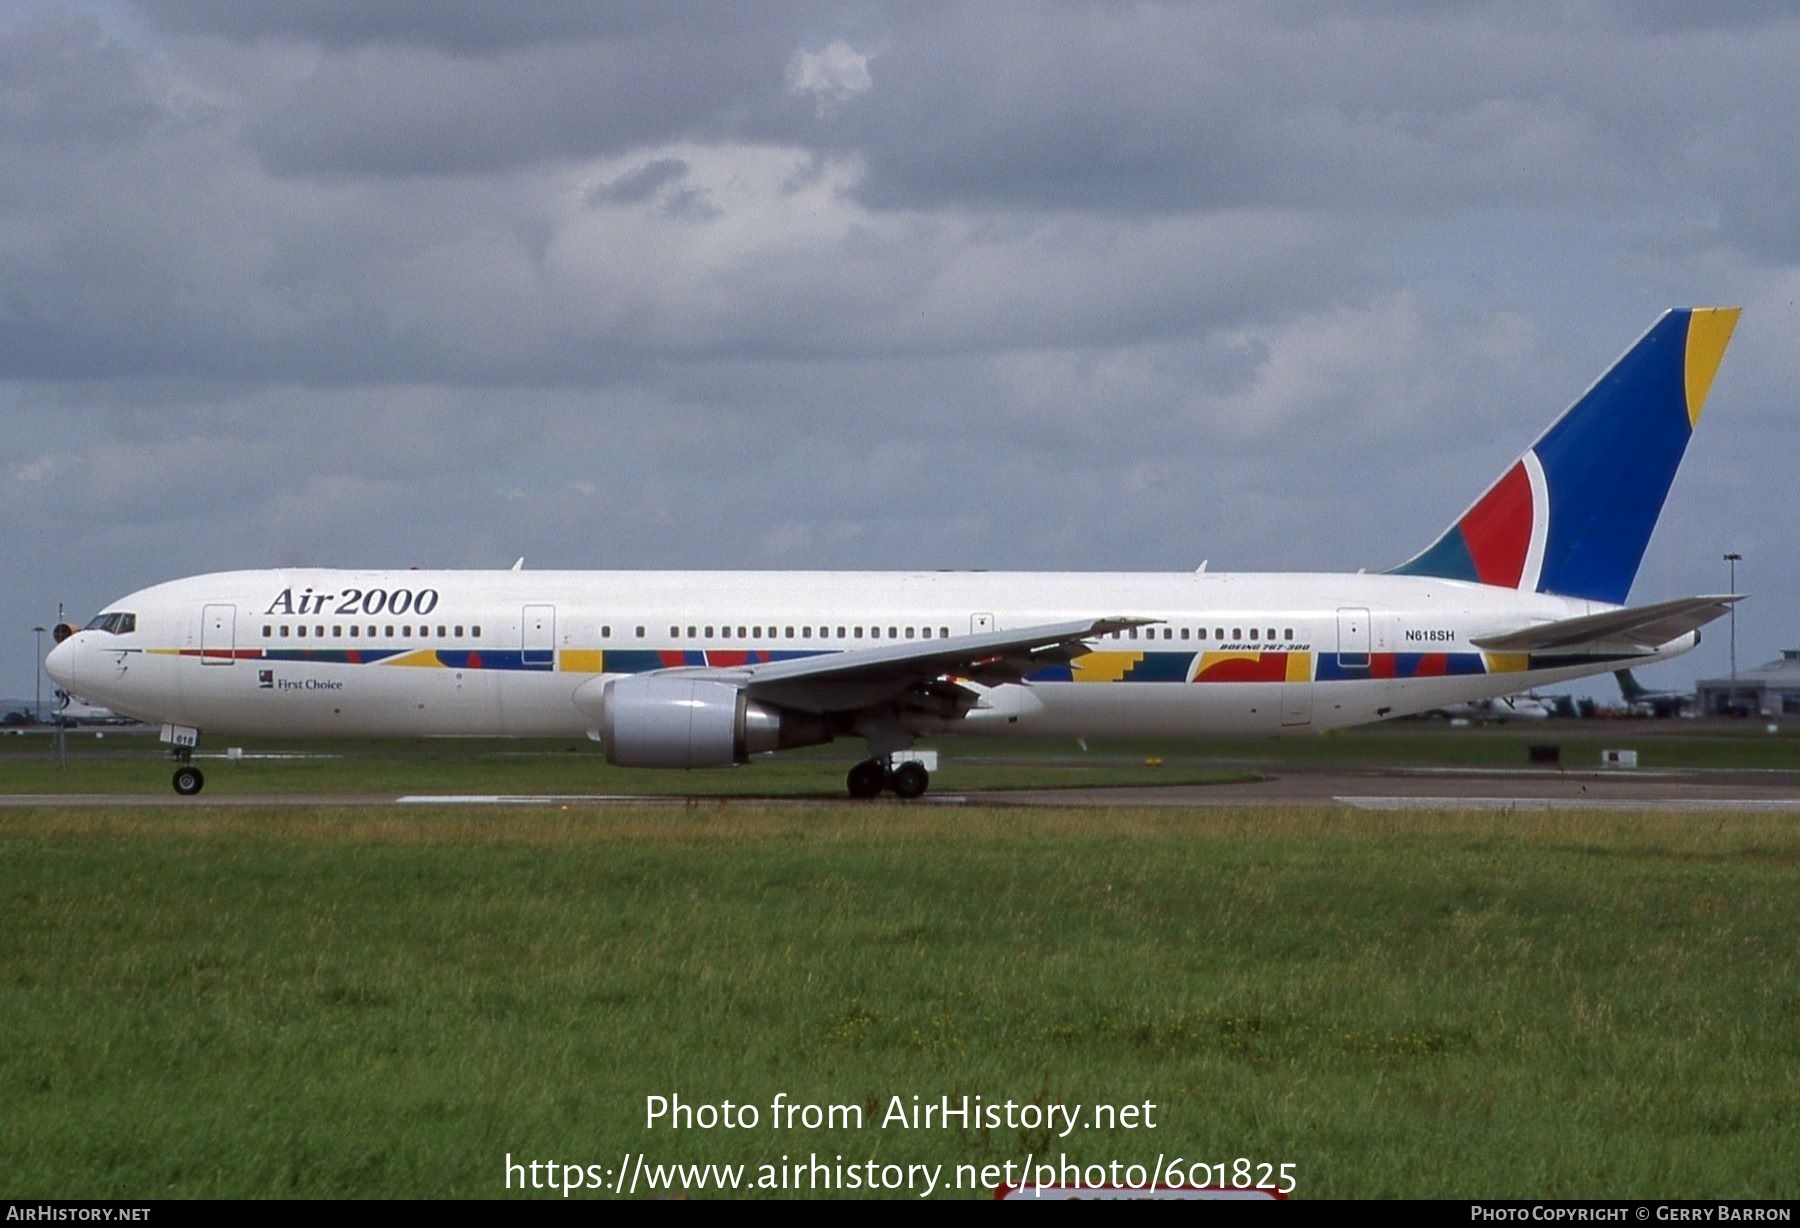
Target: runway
(1282, 787)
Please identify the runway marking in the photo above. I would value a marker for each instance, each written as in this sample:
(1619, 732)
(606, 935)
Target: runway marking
(1568, 803)
(682, 799)
(520, 799)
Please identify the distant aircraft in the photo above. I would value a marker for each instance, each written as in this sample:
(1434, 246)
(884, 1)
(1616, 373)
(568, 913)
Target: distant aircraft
(1502, 709)
(73, 710)
(697, 669)
(1645, 702)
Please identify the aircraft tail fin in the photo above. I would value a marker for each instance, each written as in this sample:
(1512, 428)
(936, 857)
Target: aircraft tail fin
(1574, 514)
(1630, 689)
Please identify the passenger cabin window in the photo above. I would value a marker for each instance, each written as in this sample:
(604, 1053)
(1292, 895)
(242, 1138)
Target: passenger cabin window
(336, 632)
(302, 630)
(640, 633)
(267, 631)
(1288, 633)
(477, 631)
(284, 631)
(354, 629)
(605, 632)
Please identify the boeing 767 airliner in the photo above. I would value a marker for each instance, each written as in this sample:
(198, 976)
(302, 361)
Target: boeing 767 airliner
(698, 669)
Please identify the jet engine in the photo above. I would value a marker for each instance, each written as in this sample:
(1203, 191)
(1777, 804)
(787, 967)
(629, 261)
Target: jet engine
(673, 721)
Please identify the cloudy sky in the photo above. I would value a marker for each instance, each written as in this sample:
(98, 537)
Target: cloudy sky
(868, 285)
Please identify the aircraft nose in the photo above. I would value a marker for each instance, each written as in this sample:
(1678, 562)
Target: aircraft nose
(60, 664)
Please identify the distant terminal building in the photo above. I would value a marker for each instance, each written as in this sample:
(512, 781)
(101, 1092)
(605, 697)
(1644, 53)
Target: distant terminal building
(1767, 690)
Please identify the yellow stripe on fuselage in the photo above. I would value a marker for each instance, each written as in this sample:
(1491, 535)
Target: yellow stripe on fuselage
(580, 660)
(424, 658)
(1103, 666)
(1299, 667)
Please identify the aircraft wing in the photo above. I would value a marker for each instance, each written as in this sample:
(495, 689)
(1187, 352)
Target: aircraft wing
(840, 681)
(1636, 629)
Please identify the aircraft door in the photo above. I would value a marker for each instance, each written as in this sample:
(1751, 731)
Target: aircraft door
(218, 634)
(538, 637)
(1353, 638)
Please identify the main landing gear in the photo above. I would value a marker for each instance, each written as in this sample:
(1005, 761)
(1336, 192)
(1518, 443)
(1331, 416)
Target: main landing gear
(907, 779)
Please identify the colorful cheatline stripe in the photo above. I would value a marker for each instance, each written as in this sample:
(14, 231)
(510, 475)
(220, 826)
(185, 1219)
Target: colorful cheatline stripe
(1250, 665)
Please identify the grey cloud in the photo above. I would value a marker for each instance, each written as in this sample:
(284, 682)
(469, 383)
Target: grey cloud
(640, 184)
(63, 85)
(465, 27)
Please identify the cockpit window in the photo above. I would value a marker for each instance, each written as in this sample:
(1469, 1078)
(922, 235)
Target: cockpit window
(118, 624)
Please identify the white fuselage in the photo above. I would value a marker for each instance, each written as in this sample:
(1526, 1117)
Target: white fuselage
(306, 652)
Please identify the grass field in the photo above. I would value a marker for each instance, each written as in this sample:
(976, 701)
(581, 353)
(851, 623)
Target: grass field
(134, 763)
(288, 1001)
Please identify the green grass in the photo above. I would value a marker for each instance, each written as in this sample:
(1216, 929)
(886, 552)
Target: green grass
(280, 1000)
(136, 763)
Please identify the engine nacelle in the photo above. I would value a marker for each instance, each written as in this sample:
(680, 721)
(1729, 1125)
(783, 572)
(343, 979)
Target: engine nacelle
(672, 721)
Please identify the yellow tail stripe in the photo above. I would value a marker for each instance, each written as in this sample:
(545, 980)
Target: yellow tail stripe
(1709, 329)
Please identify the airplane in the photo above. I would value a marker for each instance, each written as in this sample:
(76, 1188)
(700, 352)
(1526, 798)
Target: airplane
(709, 668)
(74, 710)
(1501, 709)
(1640, 700)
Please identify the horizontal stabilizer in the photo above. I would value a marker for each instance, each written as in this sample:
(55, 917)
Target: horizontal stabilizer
(1642, 628)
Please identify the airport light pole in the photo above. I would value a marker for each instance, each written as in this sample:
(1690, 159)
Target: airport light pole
(37, 697)
(1732, 559)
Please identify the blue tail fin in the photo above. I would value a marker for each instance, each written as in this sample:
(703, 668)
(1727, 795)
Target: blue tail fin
(1574, 515)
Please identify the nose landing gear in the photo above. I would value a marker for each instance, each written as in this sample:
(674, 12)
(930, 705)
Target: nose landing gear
(188, 779)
